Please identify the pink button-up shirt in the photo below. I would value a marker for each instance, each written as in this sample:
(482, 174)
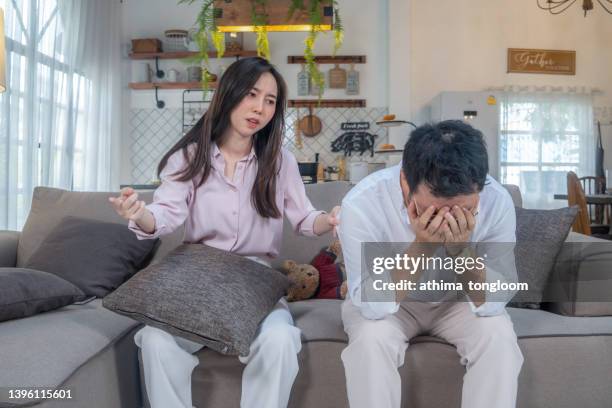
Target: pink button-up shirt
(220, 214)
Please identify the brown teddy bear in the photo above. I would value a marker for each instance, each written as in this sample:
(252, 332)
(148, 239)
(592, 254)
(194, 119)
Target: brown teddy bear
(322, 279)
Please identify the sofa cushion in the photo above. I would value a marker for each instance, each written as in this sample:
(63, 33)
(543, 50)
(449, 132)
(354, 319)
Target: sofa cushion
(204, 294)
(96, 256)
(321, 320)
(50, 205)
(9, 240)
(539, 237)
(559, 372)
(323, 196)
(540, 323)
(515, 193)
(26, 292)
(46, 349)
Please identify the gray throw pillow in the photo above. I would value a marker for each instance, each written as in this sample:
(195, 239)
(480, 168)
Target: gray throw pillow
(203, 294)
(26, 292)
(95, 256)
(540, 235)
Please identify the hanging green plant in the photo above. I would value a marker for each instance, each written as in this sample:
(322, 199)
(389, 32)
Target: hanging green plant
(338, 29)
(207, 26)
(259, 17)
(315, 18)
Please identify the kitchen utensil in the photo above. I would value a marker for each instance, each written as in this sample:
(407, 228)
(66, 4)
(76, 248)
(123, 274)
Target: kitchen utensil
(298, 133)
(303, 82)
(194, 74)
(173, 75)
(314, 86)
(337, 77)
(308, 171)
(352, 81)
(310, 125)
(144, 72)
(341, 168)
(190, 41)
(175, 40)
(320, 173)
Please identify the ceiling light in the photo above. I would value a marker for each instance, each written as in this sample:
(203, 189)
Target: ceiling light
(559, 6)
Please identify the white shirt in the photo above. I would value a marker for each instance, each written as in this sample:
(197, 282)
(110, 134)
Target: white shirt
(374, 211)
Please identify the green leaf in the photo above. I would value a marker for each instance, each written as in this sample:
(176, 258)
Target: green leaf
(338, 32)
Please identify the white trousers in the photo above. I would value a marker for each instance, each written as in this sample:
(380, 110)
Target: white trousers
(271, 366)
(487, 347)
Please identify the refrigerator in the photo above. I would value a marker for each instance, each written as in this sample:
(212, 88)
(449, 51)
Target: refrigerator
(479, 109)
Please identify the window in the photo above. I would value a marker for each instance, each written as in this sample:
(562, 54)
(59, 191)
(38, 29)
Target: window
(41, 140)
(542, 137)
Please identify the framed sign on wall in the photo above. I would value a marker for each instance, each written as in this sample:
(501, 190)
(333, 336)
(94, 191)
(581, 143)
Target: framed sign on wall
(521, 60)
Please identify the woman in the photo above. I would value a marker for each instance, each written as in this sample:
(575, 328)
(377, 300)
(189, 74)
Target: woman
(230, 182)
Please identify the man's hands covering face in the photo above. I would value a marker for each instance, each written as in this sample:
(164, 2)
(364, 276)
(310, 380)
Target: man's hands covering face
(451, 226)
(428, 226)
(460, 224)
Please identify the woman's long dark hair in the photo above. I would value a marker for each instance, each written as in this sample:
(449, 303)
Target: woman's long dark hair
(237, 81)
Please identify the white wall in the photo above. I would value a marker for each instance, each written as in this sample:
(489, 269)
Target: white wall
(461, 45)
(417, 49)
(366, 33)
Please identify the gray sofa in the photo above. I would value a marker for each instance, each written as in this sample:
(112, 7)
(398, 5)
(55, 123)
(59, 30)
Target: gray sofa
(90, 350)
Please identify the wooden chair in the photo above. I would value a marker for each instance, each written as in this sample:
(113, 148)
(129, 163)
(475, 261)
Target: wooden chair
(598, 214)
(594, 185)
(575, 197)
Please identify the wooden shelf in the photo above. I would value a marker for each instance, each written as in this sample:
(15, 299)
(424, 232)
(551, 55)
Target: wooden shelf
(327, 103)
(169, 85)
(329, 59)
(188, 54)
(388, 151)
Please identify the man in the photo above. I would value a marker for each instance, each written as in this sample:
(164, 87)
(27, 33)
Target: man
(439, 198)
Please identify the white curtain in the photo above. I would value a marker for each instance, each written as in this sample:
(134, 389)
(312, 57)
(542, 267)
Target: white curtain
(60, 117)
(543, 135)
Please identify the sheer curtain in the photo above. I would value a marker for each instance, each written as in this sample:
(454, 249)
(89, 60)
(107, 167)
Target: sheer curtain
(543, 135)
(60, 118)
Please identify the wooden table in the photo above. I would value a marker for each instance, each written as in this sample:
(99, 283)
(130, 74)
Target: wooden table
(602, 199)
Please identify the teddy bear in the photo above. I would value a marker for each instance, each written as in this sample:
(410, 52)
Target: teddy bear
(323, 278)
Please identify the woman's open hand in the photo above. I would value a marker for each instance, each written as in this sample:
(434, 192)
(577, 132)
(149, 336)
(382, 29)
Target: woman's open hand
(127, 205)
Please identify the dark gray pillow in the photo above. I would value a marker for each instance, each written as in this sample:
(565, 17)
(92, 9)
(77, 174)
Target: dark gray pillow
(203, 294)
(26, 292)
(540, 235)
(94, 255)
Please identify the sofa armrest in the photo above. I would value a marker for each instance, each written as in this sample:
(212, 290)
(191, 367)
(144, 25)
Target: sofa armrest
(581, 282)
(8, 248)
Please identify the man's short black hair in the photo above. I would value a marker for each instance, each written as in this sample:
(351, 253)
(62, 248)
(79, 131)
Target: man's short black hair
(450, 157)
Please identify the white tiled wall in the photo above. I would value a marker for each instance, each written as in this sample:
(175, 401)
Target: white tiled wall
(154, 131)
